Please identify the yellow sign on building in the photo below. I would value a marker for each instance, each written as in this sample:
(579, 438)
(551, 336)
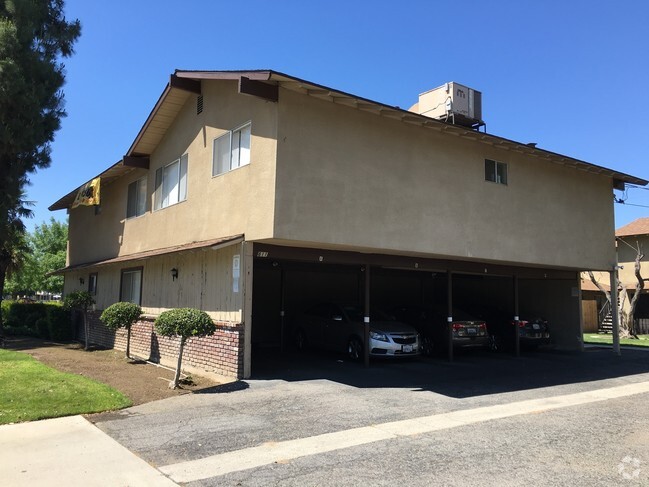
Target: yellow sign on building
(88, 194)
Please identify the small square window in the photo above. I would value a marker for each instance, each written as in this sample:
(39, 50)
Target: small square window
(232, 150)
(495, 172)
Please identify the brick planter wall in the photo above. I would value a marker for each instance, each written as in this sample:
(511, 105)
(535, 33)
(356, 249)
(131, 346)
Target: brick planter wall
(221, 353)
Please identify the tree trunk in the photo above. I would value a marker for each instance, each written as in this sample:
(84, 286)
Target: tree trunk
(638, 289)
(86, 328)
(174, 384)
(128, 342)
(622, 318)
(3, 274)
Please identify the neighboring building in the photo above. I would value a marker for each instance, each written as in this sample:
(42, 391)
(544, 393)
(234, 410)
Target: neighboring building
(253, 194)
(630, 239)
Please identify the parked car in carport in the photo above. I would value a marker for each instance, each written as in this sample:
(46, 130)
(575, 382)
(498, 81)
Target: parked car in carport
(501, 325)
(340, 328)
(432, 325)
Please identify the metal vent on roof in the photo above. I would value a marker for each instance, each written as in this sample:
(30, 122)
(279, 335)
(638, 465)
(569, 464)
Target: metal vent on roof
(199, 104)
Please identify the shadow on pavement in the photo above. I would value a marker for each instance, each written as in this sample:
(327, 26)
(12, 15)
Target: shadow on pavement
(239, 385)
(473, 373)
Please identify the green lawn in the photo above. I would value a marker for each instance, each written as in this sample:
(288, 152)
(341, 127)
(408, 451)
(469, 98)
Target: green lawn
(30, 390)
(608, 339)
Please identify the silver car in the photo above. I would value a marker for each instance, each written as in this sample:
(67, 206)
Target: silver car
(340, 328)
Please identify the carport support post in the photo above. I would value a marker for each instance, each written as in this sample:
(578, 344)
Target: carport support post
(517, 330)
(366, 318)
(281, 312)
(615, 317)
(449, 314)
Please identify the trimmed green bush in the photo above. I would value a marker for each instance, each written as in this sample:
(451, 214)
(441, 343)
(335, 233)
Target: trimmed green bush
(42, 328)
(59, 324)
(24, 314)
(80, 300)
(122, 315)
(185, 323)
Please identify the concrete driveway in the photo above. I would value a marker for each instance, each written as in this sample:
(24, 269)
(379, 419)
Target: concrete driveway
(543, 419)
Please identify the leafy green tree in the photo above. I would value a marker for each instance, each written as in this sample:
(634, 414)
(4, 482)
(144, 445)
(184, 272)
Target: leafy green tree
(47, 245)
(13, 248)
(185, 323)
(80, 301)
(34, 37)
(122, 315)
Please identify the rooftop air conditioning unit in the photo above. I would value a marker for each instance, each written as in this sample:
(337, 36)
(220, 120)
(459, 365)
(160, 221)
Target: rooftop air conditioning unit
(454, 103)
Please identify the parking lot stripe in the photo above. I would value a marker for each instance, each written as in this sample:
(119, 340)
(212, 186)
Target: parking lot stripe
(280, 452)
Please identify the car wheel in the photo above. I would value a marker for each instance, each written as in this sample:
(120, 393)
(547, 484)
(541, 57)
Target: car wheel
(426, 346)
(300, 340)
(355, 349)
(495, 343)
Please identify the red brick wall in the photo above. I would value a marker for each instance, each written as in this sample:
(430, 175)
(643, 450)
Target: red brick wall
(221, 353)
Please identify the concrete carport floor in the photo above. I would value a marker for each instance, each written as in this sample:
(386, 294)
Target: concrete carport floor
(288, 281)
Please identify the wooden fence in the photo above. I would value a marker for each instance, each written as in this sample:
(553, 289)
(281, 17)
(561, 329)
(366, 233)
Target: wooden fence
(642, 326)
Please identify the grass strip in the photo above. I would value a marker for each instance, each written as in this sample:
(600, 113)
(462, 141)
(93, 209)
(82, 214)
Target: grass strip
(30, 390)
(607, 339)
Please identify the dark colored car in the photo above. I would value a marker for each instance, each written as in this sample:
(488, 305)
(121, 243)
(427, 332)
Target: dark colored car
(340, 328)
(532, 332)
(432, 325)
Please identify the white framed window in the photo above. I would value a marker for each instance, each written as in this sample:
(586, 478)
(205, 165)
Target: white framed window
(136, 199)
(171, 183)
(232, 150)
(495, 171)
(130, 288)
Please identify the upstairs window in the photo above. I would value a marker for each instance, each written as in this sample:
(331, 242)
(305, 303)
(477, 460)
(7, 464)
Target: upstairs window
(231, 150)
(495, 172)
(136, 200)
(171, 183)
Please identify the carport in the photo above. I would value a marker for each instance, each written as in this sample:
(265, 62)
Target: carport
(286, 280)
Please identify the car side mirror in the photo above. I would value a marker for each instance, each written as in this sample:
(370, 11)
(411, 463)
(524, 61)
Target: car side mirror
(337, 318)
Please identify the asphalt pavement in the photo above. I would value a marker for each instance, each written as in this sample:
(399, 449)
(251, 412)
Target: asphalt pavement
(546, 418)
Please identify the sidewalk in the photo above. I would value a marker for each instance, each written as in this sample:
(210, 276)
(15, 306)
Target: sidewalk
(70, 452)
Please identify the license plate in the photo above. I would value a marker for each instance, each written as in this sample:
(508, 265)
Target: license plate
(536, 326)
(406, 348)
(471, 331)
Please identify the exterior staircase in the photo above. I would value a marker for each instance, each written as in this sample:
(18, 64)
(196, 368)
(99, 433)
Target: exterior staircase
(605, 319)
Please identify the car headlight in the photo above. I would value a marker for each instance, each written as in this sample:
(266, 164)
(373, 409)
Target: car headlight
(375, 335)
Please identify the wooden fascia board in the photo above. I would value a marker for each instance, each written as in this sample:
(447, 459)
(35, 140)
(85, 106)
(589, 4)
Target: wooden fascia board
(259, 89)
(185, 84)
(136, 161)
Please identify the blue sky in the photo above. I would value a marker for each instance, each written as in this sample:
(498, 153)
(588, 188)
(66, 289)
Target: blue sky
(572, 76)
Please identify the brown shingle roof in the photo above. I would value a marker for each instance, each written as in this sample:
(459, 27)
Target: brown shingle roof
(636, 227)
(153, 253)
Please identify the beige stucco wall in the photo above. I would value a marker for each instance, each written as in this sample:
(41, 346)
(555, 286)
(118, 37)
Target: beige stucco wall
(352, 179)
(237, 202)
(323, 174)
(205, 281)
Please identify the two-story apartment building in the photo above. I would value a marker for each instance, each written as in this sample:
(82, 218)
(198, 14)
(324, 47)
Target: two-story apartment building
(253, 194)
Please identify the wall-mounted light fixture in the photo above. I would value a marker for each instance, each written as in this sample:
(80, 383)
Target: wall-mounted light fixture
(82, 281)
(174, 274)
